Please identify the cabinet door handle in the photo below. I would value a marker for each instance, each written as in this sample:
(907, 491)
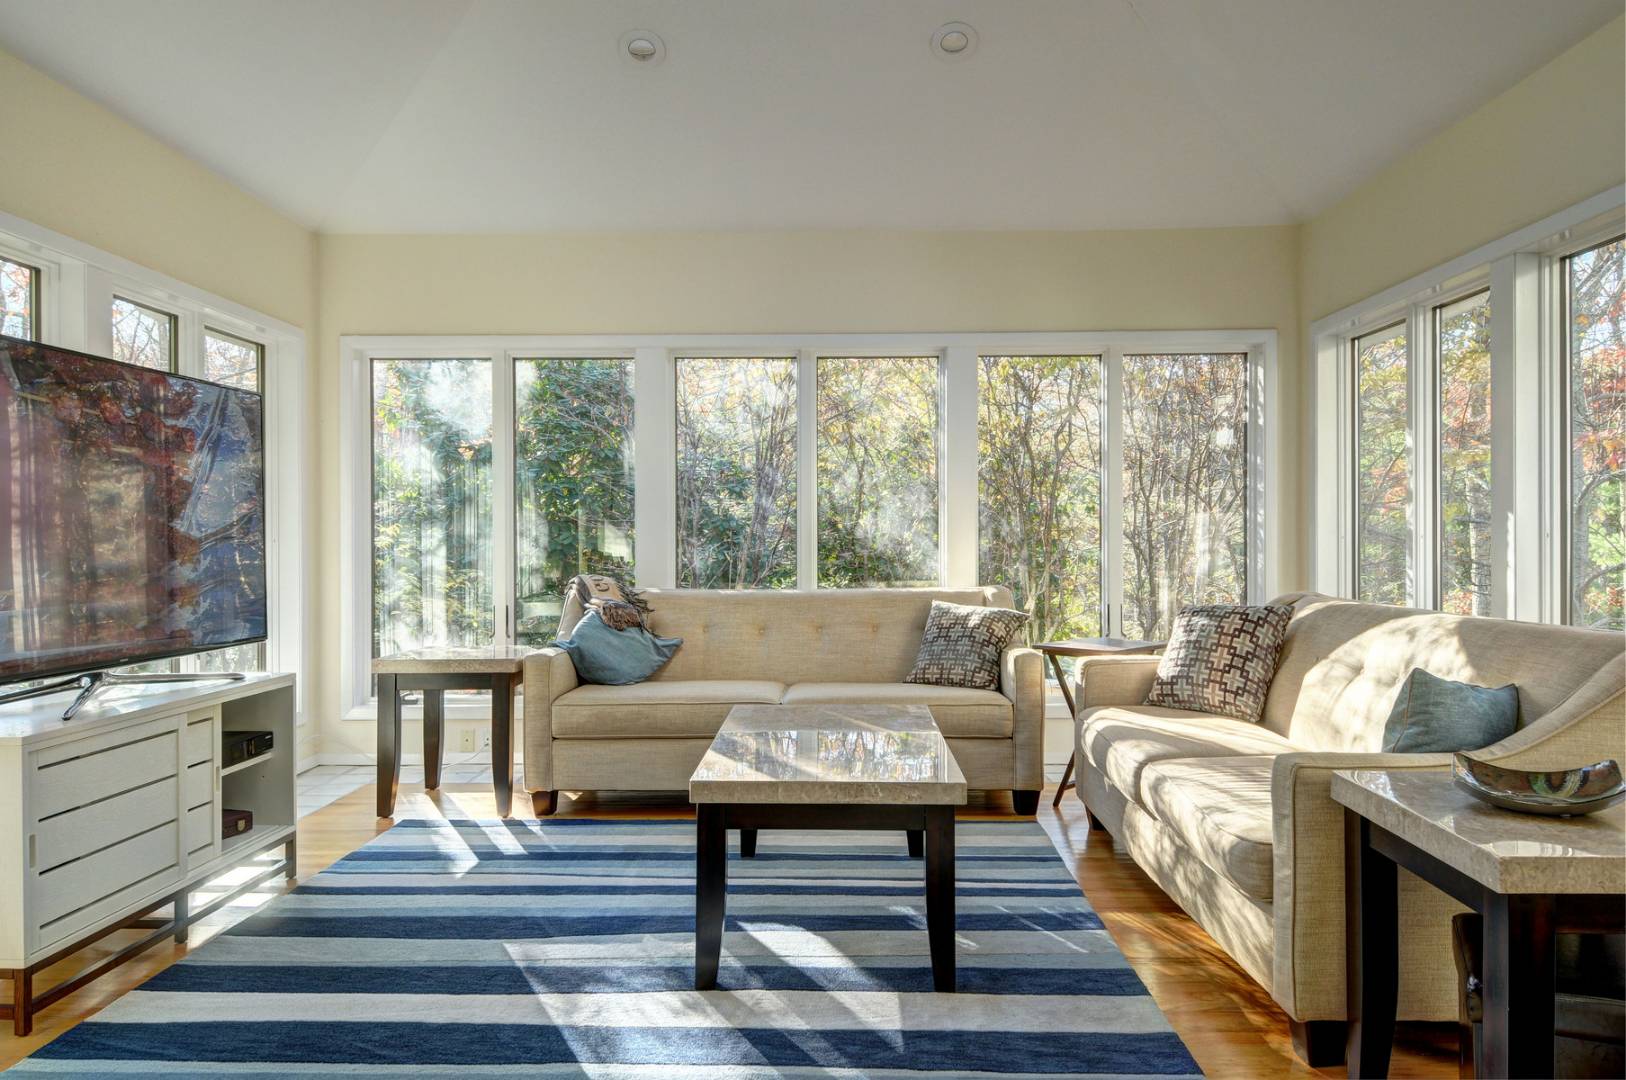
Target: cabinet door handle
(33, 850)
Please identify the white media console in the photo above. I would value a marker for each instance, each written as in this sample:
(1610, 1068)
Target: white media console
(116, 813)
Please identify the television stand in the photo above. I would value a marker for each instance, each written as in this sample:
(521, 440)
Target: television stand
(95, 680)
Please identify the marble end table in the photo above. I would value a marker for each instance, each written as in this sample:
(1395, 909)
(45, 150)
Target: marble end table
(826, 767)
(1529, 877)
(499, 669)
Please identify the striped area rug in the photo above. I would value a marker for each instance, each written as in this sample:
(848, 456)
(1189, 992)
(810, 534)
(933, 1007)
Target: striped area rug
(565, 948)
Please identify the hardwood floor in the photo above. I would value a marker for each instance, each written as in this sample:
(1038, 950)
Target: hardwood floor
(1229, 1022)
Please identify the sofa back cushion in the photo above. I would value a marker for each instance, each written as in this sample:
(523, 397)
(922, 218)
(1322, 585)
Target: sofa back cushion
(1344, 662)
(790, 636)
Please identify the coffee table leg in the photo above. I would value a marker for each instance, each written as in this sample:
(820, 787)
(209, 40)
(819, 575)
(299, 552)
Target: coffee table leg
(940, 895)
(389, 744)
(748, 843)
(434, 726)
(917, 843)
(502, 742)
(710, 893)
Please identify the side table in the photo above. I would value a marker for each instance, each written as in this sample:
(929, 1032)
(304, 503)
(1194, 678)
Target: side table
(1090, 646)
(435, 671)
(1529, 877)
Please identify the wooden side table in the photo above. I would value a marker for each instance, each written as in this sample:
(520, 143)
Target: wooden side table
(1529, 877)
(435, 671)
(1090, 646)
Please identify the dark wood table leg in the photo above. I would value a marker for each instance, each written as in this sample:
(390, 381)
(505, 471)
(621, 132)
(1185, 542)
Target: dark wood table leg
(502, 742)
(748, 843)
(182, 904)
(434, 730)
(710, 892)
(1067, 696)
(917, 843)
(1372, 948)
(22, 1001)
(940, 895)
(389, 744)
(1519, 985)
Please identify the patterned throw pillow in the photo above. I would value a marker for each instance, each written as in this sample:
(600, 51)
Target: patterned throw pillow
(962, 645)
(1220, 659)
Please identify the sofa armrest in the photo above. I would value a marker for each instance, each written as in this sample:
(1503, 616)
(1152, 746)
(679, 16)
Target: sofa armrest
(548, 674)
(1113, 680)
(1021, 678)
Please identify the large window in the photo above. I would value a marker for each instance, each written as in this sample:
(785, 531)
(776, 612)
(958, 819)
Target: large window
(431, 503)
(1185, 486)
(19, 299)
(1596, 374)
(877, 471)
(736, 472)
(143, 335)
(1383, 469)
(1039, 470)
(1462, 350)
(573, 482)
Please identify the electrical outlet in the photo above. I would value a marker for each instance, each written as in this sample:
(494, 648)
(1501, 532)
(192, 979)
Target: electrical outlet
(465, 740)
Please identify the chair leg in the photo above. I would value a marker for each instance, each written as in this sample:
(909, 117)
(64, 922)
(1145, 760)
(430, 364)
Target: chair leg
(544, 803)
(1025, 803)
(1319, 1043)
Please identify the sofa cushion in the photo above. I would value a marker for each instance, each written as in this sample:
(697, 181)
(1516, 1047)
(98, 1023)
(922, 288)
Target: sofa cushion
(658, 709)
(1121, 740)
(1220, 809)
(960, 712)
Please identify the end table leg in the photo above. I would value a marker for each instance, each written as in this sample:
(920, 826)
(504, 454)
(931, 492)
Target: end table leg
(917, 842)
(940, 895)
(1066, 781)
(502, 742)
(389, 744)
(434, 726)
(710, 893)
(1372, 950)
(748, 843)
(1519, 985)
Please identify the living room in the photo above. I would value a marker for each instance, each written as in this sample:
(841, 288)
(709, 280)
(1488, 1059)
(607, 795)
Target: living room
(512, 507)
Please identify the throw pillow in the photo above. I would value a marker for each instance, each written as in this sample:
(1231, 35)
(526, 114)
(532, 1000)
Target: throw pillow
(1220, 659)
(620, 604)
(1437, 716)
(963, 644)
(603, 654)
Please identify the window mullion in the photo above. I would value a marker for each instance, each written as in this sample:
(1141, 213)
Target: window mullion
(1424, 408)
(807, 469)
(957, 504)
(503, 535)
(1112, 491)
(654, 468)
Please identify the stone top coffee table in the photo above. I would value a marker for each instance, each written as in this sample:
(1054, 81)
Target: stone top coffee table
(826, 767)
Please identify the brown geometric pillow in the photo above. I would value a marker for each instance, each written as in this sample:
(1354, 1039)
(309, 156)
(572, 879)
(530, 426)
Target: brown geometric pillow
(963, 644)
(1220, 659)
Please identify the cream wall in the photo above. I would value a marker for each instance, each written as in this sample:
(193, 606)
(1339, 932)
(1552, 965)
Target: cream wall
(788, 282)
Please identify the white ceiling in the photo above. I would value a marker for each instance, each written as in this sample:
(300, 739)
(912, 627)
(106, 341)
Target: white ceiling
(524, 115)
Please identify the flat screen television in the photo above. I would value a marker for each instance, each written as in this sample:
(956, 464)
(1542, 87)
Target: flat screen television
(132, 513)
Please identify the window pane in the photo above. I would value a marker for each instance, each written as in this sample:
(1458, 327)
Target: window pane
(1383, 469)
(1462, 331)
(1597, 440)
(431, 504)
(877, 458)
(736, 473)
(572, 484)
(1039, 488)
(231, 360)
(236, 658)
(142, 335)
(1185, 485)
(18, 300)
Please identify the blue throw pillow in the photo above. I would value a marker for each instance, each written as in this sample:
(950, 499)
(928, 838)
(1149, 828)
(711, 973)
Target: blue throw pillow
(1436, 716)
(603, 654)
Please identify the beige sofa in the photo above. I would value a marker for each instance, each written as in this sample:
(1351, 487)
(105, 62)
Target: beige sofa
(1234, 820)
(816, 647)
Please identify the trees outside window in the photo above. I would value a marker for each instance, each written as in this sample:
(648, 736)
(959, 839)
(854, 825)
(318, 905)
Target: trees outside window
(877, 471)
(232, 360)
(1039, 488)
(1462, 346)
(573, 482)
(143, 335)
(1383, 488)
(1596, 281)
(19, 299)
(1185, 486)
(736, 473)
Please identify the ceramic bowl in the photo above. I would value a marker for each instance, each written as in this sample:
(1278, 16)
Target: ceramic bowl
(1565, 793)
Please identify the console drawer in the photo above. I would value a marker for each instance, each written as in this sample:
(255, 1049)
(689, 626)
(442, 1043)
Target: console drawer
(77, 781)
(78, 832)
(152, 856)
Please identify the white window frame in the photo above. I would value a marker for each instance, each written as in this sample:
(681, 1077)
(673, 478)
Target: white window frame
(1522, 272)
(655, 441)
(77, 286)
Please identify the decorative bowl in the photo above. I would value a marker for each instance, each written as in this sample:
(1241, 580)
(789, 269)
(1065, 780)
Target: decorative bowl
(1563, 793)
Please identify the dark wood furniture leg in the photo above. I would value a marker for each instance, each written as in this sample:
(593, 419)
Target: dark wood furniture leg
(1520, 989)
(1319, 1043)
(1372, 948)
(940, 895)
(434, 730)
(748, 843)
(1025, 803)
(917, 842)
(22, 1001)
(502, 742)
(1067, 696)
(183, 901)
(290, 856)
(544, 803)
(389, 744)
(710, 892)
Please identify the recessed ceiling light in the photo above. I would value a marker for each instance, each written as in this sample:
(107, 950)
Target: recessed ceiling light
(954, 41)
(643, 47)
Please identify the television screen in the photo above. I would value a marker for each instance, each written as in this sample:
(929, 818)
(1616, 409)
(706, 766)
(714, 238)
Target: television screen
(132, 513)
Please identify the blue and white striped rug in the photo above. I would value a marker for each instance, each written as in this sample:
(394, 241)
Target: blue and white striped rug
(509, 949)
